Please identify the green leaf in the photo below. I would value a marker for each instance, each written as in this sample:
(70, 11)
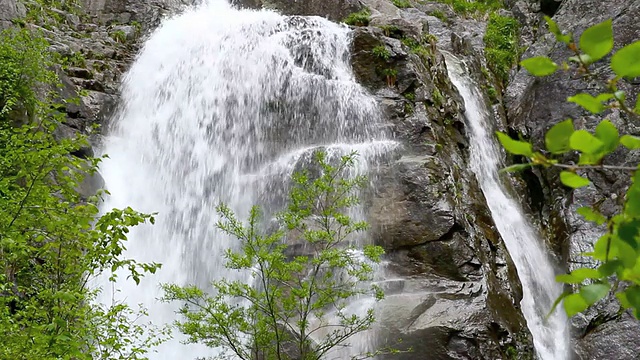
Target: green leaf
(582, 59)
(590, 103)
(608, 134)
(574, 304)
(573, 180)
(631, 142)
(577, 276)
(597, 41)
(594, 292)
(516, 167)
(632, 207)
(630, 298)
(620, 95)
(625, 61)
(582, 140)
(610, 267)
(628, 232)
(636, 109)
(557, 138)
(539, 66)
(555, 30)
(514, 146)
(591, 215)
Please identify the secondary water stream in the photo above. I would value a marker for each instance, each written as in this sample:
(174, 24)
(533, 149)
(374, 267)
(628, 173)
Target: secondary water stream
(535, 270)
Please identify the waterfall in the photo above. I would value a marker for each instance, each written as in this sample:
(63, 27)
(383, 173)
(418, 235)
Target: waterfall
(221, 106)
(535, 270)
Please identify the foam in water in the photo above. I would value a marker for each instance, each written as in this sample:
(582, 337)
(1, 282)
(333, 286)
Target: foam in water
(528, 253)
(221, 106)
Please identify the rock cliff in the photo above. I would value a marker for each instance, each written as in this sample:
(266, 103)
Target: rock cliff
(457, 293)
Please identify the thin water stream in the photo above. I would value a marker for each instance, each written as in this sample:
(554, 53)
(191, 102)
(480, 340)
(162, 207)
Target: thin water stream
(535, 270)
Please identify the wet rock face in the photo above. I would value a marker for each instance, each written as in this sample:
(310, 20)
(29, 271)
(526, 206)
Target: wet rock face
(533, 106)
(457, 293)
(335, 10)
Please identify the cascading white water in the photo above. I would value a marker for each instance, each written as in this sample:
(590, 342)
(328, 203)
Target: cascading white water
(535, 270)
(221, 106)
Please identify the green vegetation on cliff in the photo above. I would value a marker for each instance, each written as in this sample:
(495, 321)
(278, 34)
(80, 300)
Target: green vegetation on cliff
(502, 46)
(473, 7)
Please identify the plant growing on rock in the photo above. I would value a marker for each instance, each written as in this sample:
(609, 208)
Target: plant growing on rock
(294, 298)
(360, 18)
(381, 52)
(402, 4)
(53, 241)
(502, 49)
(119, 36)
(391, 76)
(617, 252)
(473, 7)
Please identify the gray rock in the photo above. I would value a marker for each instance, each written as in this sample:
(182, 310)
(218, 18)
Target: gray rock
(9, 11)
(413, 205)
(130, 32)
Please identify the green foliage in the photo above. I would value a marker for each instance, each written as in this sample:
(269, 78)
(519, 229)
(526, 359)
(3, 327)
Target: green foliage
(440, 15)
(515, 146)
(438, 99)
(52, 241)
(617, 252)
(295, 296)
(402, 4)
(390, 30)
(625, 61)
(391, 76)
(381, 52)
(502, 48)
(473, 7)
(43, 12)
(22, 57)
(360, 18)
(119, 36)
(597, 41)
(420, 47)
(75, 59)
(539, 66)
(557, 138)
